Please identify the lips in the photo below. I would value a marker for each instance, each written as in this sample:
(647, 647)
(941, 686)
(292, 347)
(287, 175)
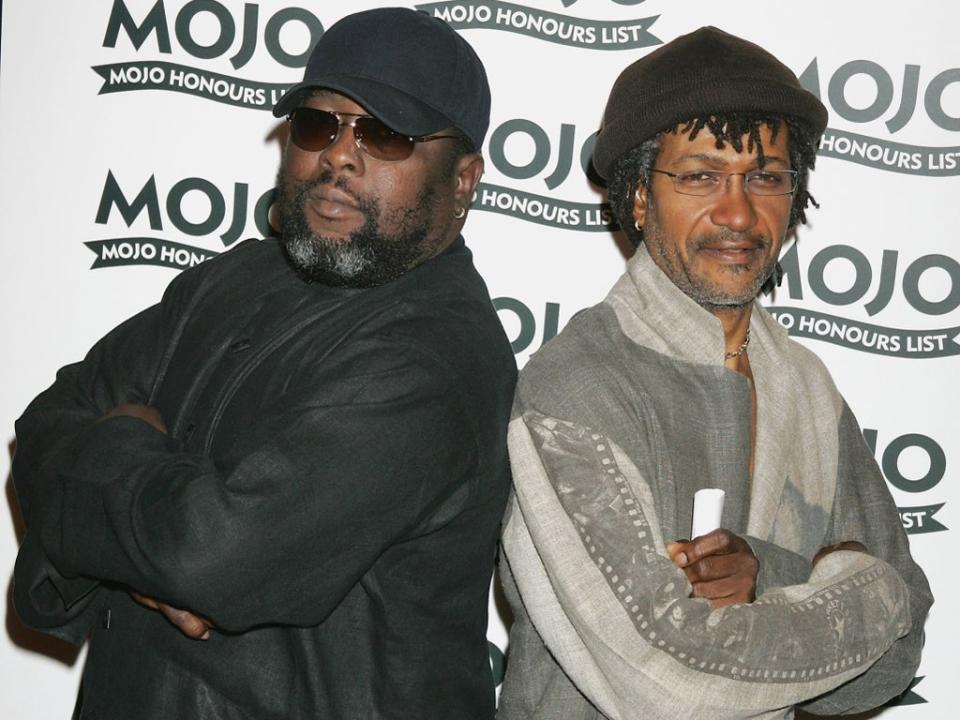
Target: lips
(333, 204)
(740, 252)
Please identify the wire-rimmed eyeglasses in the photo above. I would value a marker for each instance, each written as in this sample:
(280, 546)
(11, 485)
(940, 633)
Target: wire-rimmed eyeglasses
(711, 182)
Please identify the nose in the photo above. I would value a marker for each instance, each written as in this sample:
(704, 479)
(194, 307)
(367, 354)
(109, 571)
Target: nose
(733, 208)
(343, 154)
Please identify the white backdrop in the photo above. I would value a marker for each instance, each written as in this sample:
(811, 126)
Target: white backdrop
(135, 139)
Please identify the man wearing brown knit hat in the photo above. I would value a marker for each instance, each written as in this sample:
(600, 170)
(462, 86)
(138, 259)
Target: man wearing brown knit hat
(679, 381)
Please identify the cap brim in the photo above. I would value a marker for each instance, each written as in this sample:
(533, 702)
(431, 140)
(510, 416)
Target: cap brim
(397, 109)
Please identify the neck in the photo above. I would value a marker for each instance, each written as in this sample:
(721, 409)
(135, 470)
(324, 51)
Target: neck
(432, 248)
(735, 322)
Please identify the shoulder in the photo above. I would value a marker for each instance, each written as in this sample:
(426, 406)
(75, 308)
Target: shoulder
(590, 364)
(435, 327)
(581, 348)
(244, 263)
(443, 308)
(245, 253)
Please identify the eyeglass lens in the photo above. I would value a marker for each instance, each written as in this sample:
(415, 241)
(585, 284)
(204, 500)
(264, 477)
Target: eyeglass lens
(756, 182)
(315, 130)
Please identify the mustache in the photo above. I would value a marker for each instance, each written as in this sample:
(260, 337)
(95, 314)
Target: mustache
(726, 236)
(367, 205)
(326, 178)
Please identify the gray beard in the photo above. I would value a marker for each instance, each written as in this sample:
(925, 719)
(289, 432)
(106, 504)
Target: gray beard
(368, 257)
(706, 294)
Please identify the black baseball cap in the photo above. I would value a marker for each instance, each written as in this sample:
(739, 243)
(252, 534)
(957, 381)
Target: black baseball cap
(407, 68)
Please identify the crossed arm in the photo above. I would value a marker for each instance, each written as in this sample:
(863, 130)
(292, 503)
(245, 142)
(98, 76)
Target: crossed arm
(723, 567)
(278, 532)
(720, 566)
(187, 622)
(628, 634)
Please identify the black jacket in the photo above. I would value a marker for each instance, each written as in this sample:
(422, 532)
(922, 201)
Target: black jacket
(328, 495)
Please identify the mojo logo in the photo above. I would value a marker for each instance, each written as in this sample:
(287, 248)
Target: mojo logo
(883, 102)
(867, 337)
(182, 200)
(508, 151)
(520, 322)
(916, 519)
(241, 35)
(548, 26)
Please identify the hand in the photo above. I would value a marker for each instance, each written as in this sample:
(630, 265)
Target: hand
(144, 412)
(190, 624)
(720, 566)
(846, 545)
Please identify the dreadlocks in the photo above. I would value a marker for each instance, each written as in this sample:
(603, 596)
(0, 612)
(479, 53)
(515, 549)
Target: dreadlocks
(633, 167)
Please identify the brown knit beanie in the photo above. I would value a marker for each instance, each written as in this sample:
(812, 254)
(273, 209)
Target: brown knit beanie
(706, 72)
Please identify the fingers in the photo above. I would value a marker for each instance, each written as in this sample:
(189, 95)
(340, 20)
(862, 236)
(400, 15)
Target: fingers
(674, 549)
(718, 542)
(716, 567)
(740, 567)
(727, 591)
(145, 601)
(186, 622)
(720, 567)
(190, 624)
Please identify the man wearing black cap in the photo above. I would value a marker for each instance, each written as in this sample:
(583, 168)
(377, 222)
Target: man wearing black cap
(678, 381)
(303, 445)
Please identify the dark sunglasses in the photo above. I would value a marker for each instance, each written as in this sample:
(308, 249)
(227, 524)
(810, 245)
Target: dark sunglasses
(314, 130)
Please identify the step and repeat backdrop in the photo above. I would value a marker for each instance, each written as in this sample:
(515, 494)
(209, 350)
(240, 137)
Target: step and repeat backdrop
(136, 140)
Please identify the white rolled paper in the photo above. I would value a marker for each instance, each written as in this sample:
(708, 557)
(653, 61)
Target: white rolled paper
(707, 511)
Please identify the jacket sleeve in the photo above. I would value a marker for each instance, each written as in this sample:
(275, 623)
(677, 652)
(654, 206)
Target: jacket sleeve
(864, 511)
(778, 566)
(584, 545)
(121, 368)
(283, 530)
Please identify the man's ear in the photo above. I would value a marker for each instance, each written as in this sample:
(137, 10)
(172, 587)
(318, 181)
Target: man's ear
(640, 203)
(468, 171)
